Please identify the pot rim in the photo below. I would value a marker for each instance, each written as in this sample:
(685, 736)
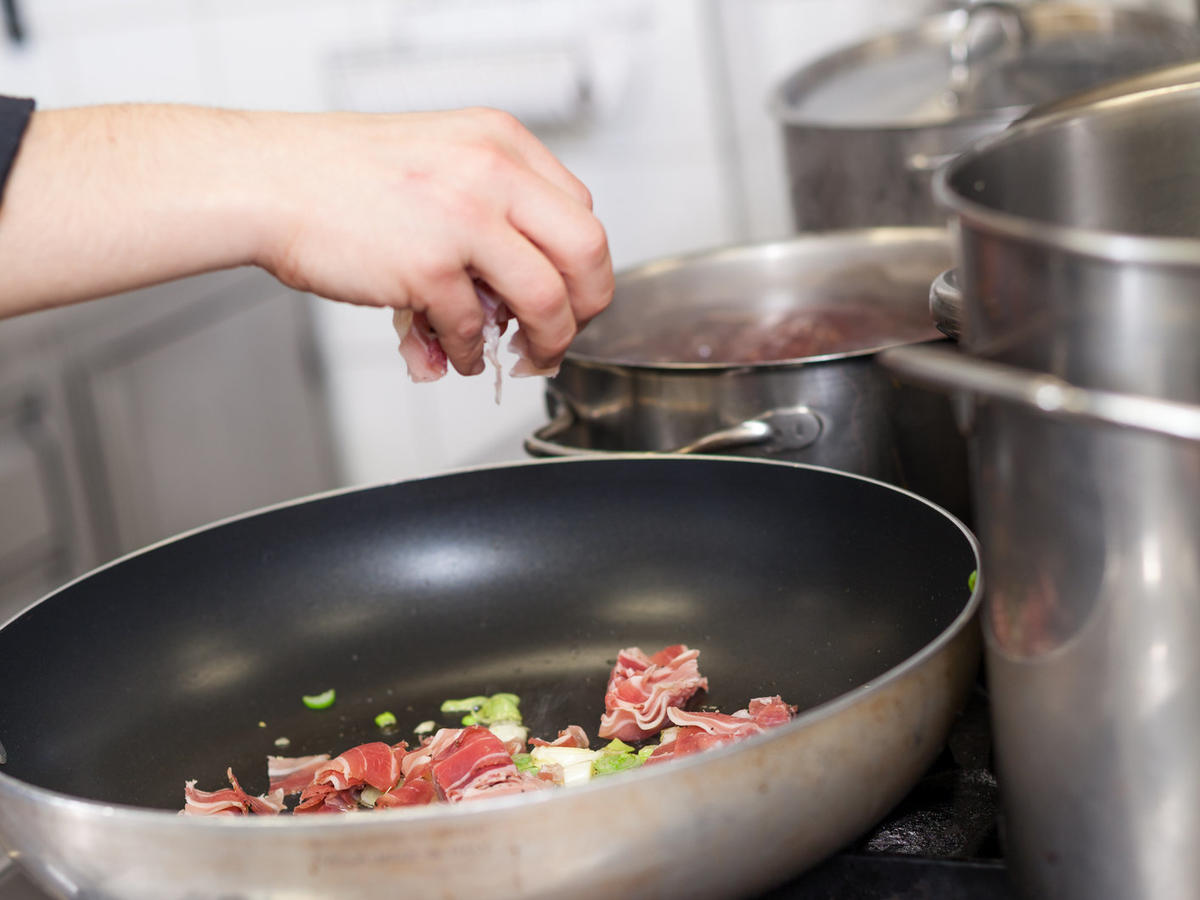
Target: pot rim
(1114, 246)
(854, 237)
(936, 29)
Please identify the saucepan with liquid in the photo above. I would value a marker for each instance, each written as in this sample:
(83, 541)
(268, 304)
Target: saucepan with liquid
(768, 350)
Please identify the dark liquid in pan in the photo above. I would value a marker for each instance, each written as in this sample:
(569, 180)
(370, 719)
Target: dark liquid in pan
(742, 336)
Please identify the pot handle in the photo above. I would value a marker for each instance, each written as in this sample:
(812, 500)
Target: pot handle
(946, 304)
(953, 371)
(925, 162)
(789, 428)
(542, 442)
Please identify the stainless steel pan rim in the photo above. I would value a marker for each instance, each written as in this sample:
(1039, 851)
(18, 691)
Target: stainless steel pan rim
(418, 817)
(1109, 245)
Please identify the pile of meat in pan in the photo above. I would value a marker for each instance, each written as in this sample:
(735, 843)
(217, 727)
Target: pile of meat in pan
(644, 722)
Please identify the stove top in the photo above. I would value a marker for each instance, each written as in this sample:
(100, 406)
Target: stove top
(941, 842)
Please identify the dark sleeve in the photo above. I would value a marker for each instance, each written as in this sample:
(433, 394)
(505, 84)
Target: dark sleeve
(14, 116)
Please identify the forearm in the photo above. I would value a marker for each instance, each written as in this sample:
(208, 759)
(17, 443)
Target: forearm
(107, 199)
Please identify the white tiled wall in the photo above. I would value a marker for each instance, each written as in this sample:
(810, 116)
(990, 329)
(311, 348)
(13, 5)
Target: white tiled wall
(675, 140)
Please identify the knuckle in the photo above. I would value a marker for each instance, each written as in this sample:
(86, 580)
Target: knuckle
(467, 330)
(591, 244)
(543, 298)
(438, 272)
(498, 120)
(558, 341)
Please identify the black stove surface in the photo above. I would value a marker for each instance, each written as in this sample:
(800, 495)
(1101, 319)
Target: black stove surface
(940, 843)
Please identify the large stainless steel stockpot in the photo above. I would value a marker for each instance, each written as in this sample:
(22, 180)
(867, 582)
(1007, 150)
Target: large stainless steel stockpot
(1078, 238)
(866, 126)
(836, 409)
(1088, 511)
(1079, 245)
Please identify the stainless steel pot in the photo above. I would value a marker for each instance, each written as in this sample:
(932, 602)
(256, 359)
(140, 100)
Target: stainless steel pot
(1078, 237)
(865, 127)
(1079, 244)
(838, 410)
(1088, 505)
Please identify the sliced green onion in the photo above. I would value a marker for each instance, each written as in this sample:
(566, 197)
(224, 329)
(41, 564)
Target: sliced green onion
(525, 762)
(466, 705)
(320, 701)
(611, 763)
(425, 727)
(469, 720)
(500, 708)
(971, 581)
(616, 745)
(384, 719)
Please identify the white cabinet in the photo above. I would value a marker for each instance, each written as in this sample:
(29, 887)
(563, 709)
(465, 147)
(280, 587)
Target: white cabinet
(131, 419)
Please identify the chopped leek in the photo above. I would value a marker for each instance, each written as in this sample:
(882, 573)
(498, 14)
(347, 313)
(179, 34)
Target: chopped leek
(509, 731)
(568, 765)
(384, 719)
(486, 710)
(616, 756)
(368, 796)
(425, 727)
(971, 581)
(470, 704)
(525, 763)
(320, 701)
(611, 763)
(500, 708)
(616, 745)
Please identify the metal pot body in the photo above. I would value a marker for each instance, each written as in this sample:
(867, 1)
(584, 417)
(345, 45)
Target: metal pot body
(866, 127)
(840, 411)
(857, 177)
(1088, 506)
(1080, 269)
(1077, 242)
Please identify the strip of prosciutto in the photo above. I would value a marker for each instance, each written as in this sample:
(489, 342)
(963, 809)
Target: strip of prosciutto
(426, 359)
(292, 774)
(338, 783)
(476, 763)
(230, 801)
(697, 731)
(571, 736)
(643, 688)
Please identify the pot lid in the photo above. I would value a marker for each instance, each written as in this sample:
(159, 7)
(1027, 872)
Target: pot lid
(986, 60)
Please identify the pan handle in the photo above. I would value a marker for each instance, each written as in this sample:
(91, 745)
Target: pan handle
(952, 371)
(788, 428)
(946, 304)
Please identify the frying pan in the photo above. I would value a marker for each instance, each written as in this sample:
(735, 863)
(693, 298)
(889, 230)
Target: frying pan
(847, 596)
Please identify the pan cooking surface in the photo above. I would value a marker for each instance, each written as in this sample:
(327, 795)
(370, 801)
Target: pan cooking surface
(526, 579)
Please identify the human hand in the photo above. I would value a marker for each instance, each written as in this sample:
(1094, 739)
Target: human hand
(403, 211)
(407, 211)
